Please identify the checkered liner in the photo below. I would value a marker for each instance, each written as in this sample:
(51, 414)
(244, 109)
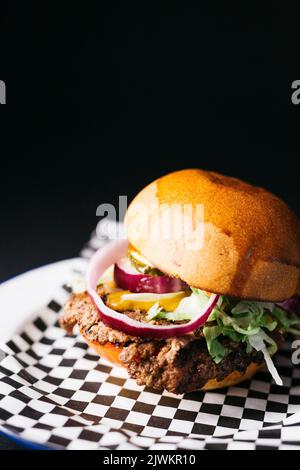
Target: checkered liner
(55, 391)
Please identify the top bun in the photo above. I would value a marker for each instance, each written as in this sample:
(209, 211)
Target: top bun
(251, 239)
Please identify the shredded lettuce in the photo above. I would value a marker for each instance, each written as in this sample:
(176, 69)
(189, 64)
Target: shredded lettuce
(172, 316)
(258, 343)
(249, 322)
(215, 348)
(286, 320)
(153, 312)
(246, 321)
(187, 309)
(156, 313)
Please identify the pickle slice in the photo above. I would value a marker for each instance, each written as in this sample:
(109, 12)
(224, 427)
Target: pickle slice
(127, 301)
(142, 264)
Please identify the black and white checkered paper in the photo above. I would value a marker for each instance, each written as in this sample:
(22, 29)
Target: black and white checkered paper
(55, 391)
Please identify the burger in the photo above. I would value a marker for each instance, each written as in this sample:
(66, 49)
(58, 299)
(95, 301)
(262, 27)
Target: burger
(203, 290)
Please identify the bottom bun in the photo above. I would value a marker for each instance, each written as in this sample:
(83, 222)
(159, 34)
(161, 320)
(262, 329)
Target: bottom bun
(111, 352)
(234, 378)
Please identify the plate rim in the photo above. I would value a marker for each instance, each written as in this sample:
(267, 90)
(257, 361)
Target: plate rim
(23, 442)
(63, 268)
(38, 286)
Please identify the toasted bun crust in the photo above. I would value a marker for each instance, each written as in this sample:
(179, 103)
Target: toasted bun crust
(111, 352)
(251, 239)
(233, 378)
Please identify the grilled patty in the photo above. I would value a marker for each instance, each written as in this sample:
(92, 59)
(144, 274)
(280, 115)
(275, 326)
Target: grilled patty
(178, 364)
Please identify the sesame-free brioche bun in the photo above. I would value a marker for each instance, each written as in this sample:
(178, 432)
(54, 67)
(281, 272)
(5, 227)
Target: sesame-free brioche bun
(111, 352)
(251, 239)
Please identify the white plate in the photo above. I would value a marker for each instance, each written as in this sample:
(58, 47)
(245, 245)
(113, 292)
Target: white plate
(109, 409)
(23, 295)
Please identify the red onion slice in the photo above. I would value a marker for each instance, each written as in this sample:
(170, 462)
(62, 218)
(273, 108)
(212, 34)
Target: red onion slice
(136, 282)
(109, 255)
(292, 305)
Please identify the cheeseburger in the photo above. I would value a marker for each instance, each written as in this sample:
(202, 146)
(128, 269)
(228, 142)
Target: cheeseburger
(202, 291)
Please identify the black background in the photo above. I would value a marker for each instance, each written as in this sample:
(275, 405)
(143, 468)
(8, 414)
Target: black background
(102, 99)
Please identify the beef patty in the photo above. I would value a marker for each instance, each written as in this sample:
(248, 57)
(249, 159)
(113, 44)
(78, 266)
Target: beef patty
(178, 364)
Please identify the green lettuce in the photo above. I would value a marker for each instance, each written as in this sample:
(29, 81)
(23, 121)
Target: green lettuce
(237, 320)
(215, 348)
(244, 320)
